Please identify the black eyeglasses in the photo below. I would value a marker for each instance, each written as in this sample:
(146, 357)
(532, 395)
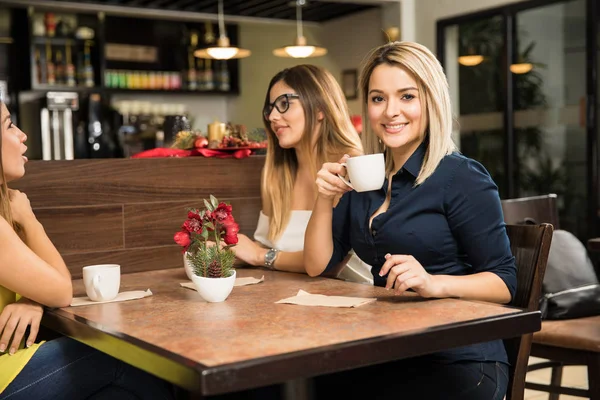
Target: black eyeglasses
(281, 103)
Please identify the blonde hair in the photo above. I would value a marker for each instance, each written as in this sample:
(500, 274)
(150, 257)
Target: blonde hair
(433, 94)
(4, 198)
(318, 92)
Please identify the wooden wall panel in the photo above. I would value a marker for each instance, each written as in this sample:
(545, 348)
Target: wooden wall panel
(130, 260)
(153, 224)
(76, 229)
(125, 181)
(126, 211)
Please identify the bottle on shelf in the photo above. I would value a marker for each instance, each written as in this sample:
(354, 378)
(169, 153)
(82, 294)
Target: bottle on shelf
(200, 75)
(209, 83)
(50, 22)
(59, 68)
(50, 71)
(69, 67)
(40, 68)
(224, 84)
(192, 79)
(88, 69)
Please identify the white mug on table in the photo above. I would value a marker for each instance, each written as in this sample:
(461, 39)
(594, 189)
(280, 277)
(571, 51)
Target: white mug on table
(102, 281)
(365, 172)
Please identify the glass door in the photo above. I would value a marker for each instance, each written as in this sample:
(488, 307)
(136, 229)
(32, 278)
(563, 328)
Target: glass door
(549, 76)
(474, 56)
(524, 82)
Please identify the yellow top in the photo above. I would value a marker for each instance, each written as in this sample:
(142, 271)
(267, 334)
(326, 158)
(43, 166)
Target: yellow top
(10, 366)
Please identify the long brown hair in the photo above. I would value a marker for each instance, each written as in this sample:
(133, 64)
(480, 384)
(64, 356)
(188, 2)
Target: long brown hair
(4, 198)
(433, 94)
(319, 92)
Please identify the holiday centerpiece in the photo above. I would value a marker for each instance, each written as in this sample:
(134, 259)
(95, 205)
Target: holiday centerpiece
(207, 237)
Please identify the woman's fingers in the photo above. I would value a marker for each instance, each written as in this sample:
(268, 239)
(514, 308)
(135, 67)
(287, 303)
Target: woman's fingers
(18, 334)
(391, 261)
(328, 183)
(34, 328)
(403, 284)
(7, 331)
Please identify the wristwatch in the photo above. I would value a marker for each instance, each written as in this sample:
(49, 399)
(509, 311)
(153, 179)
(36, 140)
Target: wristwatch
(270, 258)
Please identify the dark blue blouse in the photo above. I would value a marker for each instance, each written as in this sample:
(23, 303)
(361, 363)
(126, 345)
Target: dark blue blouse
(452, 224)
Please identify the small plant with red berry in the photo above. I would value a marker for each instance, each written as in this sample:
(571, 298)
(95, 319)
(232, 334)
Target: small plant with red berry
(201, 237)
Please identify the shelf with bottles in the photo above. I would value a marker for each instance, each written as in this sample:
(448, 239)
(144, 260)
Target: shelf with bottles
(160, 58)
(203, 79)
(69, 65)
(65, 51)
(207, 74)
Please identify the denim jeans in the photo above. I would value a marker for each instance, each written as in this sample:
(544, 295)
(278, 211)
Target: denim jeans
(66, 369)
(418, 379)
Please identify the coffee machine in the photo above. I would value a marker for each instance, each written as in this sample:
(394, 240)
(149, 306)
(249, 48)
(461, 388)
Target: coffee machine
(57, 123)
(69, 125)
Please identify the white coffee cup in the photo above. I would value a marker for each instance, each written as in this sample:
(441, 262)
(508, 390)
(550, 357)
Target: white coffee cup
(102, 281)
(365, 172)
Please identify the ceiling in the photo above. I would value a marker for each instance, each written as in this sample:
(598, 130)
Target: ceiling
(315, 11)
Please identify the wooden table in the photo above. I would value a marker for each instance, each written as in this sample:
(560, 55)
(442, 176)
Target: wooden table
(249, 341)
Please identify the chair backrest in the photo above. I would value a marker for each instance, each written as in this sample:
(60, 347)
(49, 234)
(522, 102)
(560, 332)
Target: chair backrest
(542, 209)
(530, 245)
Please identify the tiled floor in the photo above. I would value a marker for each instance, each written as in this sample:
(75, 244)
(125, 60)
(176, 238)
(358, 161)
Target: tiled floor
(574, 376)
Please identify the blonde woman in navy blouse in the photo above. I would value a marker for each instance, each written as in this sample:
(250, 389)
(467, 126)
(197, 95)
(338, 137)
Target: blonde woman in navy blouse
(435, 227)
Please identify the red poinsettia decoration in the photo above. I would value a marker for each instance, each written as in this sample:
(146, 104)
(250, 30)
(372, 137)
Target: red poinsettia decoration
(201, 235)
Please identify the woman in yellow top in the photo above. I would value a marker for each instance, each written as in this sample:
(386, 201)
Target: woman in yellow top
(31, 266)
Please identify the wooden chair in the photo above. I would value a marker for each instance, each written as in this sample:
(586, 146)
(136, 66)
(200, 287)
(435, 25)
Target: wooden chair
(566, 342)
(530, 245)
(541, 209)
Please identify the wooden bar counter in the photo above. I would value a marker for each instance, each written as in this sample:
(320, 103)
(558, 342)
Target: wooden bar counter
(126, 211)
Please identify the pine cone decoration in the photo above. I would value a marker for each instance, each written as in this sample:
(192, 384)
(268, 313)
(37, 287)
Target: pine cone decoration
(214, 269)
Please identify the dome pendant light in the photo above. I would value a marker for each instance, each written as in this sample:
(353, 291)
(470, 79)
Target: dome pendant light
(300, 49)
(471, 59)
(223, 50)
(521, 68)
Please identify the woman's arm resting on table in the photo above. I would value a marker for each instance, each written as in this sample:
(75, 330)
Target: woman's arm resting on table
(35, 235)
(24, 272)
(253, 253)
(485, 286)
(405, 272)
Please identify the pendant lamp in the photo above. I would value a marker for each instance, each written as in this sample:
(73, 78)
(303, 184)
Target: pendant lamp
(300, 49)
(223, 50)
(471, 59)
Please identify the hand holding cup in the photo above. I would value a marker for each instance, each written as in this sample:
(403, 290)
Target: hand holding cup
(329, 184)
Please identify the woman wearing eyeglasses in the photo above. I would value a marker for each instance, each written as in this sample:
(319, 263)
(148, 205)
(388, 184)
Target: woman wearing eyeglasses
(307, 122)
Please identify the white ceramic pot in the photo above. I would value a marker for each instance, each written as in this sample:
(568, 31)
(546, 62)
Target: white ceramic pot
(189, 269)
(214, 290)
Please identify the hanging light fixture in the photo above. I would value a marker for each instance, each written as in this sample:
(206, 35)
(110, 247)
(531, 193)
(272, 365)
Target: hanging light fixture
(470, 60)
(521, 68)
(300, 49)
(223, 50)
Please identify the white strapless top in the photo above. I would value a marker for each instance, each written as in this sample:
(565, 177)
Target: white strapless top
(292, 239)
